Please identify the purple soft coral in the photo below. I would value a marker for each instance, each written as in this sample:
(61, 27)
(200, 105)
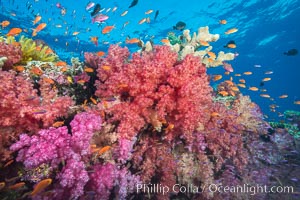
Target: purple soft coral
(54, 145)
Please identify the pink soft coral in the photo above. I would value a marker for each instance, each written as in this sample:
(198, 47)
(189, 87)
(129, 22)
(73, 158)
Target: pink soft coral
(12, 53)
(106, 177)
(178, 92)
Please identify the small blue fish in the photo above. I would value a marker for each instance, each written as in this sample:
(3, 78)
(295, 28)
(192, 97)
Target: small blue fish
(30, 98)
(39, 111)
(109, 99)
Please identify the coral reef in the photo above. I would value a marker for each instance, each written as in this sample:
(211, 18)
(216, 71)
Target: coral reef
(147, 118)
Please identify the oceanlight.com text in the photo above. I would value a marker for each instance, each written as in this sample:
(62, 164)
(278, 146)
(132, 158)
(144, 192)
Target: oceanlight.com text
(251, 189)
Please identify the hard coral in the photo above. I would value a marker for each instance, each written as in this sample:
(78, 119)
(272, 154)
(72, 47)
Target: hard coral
(13, 55)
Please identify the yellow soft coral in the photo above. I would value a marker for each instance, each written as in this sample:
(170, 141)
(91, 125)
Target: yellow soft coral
(30, 51)
(33, 52)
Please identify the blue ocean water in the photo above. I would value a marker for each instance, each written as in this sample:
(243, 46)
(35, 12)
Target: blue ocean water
(266, 30)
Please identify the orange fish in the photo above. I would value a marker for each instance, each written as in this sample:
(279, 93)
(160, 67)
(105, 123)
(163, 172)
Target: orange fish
(148, 12)
(100, 53)
(107, 29)
(283, 96)
(232, 46)
(61, 64)
(226, 73)
(297, 102)
(242, 80)
(253, 88)
(105, 104)
(122, 85)
(237, 75)
(222, 21)
(236, 89)
(229, 82)
(247, 73)
(95, 40)
(223, 93)
(16, 186)
(132, 41)
(210, 60)
(88, 69)
(38, 48)
(19, 68)
(215, 114)
(36, 20)
(204, 43)
(142, 20)
(94, 101)
(230, 31)
(212, 54)
(103, 150)
(169, 127)
(75, 33)
(41, 186)
(36, 71)
(81, 81)
(124, 13)
(48, 80)
(4, 24)
(217, 77)
(231, 93)
(165, 41)
(14, 32)
(266, 79)
(58, 124)
(38, 28)
(48, 51)
(106, 67)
